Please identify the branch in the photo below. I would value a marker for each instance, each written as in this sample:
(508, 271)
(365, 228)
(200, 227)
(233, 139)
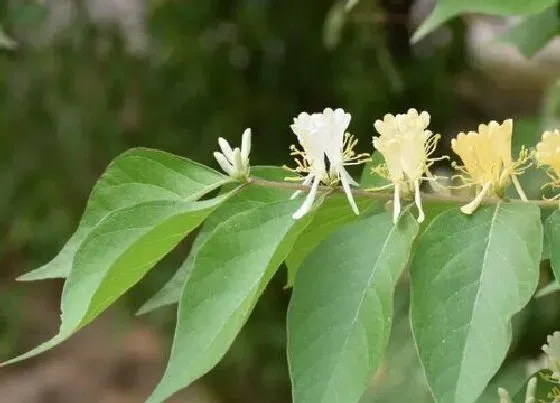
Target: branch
(426, 197)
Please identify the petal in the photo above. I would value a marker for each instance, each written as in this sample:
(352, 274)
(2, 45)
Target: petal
(246, 145)
(224, 163)
(226, 148)
(308, 203)
(306, 181)
(418, 201)
(238, 165)
(344, 176)
(396, 203)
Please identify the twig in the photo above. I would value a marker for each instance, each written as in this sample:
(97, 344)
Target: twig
(426, 197)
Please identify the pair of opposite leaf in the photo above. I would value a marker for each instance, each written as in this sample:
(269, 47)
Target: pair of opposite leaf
(407, 147)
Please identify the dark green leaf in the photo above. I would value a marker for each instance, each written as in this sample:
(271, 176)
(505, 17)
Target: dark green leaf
(469, 276)
(230, 271)
(138, 175)
(341, 310)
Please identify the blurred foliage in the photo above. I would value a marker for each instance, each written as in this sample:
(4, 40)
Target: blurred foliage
(76, 95)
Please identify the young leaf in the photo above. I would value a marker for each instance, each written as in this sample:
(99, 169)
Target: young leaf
(552, 228)
(534, 32)
(469, 276)
(341, 309)
(230, 272)
(117, 253)
(138, 175)
(330, 216)
(447, 9)
(250, 197)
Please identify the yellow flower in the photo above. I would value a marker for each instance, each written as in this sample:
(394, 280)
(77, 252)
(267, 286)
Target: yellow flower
(487, 161)
(406, 146)
(548, 153)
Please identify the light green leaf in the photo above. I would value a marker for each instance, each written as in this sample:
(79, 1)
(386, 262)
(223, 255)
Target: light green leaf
(447, 9)
(250, 197)
(117, 254)
(230, 272)
(138, 175)
(552, 228)
(534, 32)
(331, 215)
(341, 309)
(469, 276)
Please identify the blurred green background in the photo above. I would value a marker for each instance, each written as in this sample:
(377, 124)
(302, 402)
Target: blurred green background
(89, 79)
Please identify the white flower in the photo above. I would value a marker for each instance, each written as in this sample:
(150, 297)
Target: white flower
(552, 351)
(235, 162)
(406, 146)
(324, 135)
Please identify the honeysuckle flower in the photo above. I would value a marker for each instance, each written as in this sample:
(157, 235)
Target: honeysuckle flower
(552, 351)
(487, 161)
(529, 394)
(548, 153)
(406, 146)
(324, 135)
(235, 162)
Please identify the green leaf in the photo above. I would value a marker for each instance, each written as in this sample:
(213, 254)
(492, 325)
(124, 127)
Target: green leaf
(117, 254)
(469, 276)
(230, 272)
(250, 197)
(138, 175)
(552, 228)
(331, 215)
(447, 9)
(534, 32)
(340, 314)
(547, 391)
